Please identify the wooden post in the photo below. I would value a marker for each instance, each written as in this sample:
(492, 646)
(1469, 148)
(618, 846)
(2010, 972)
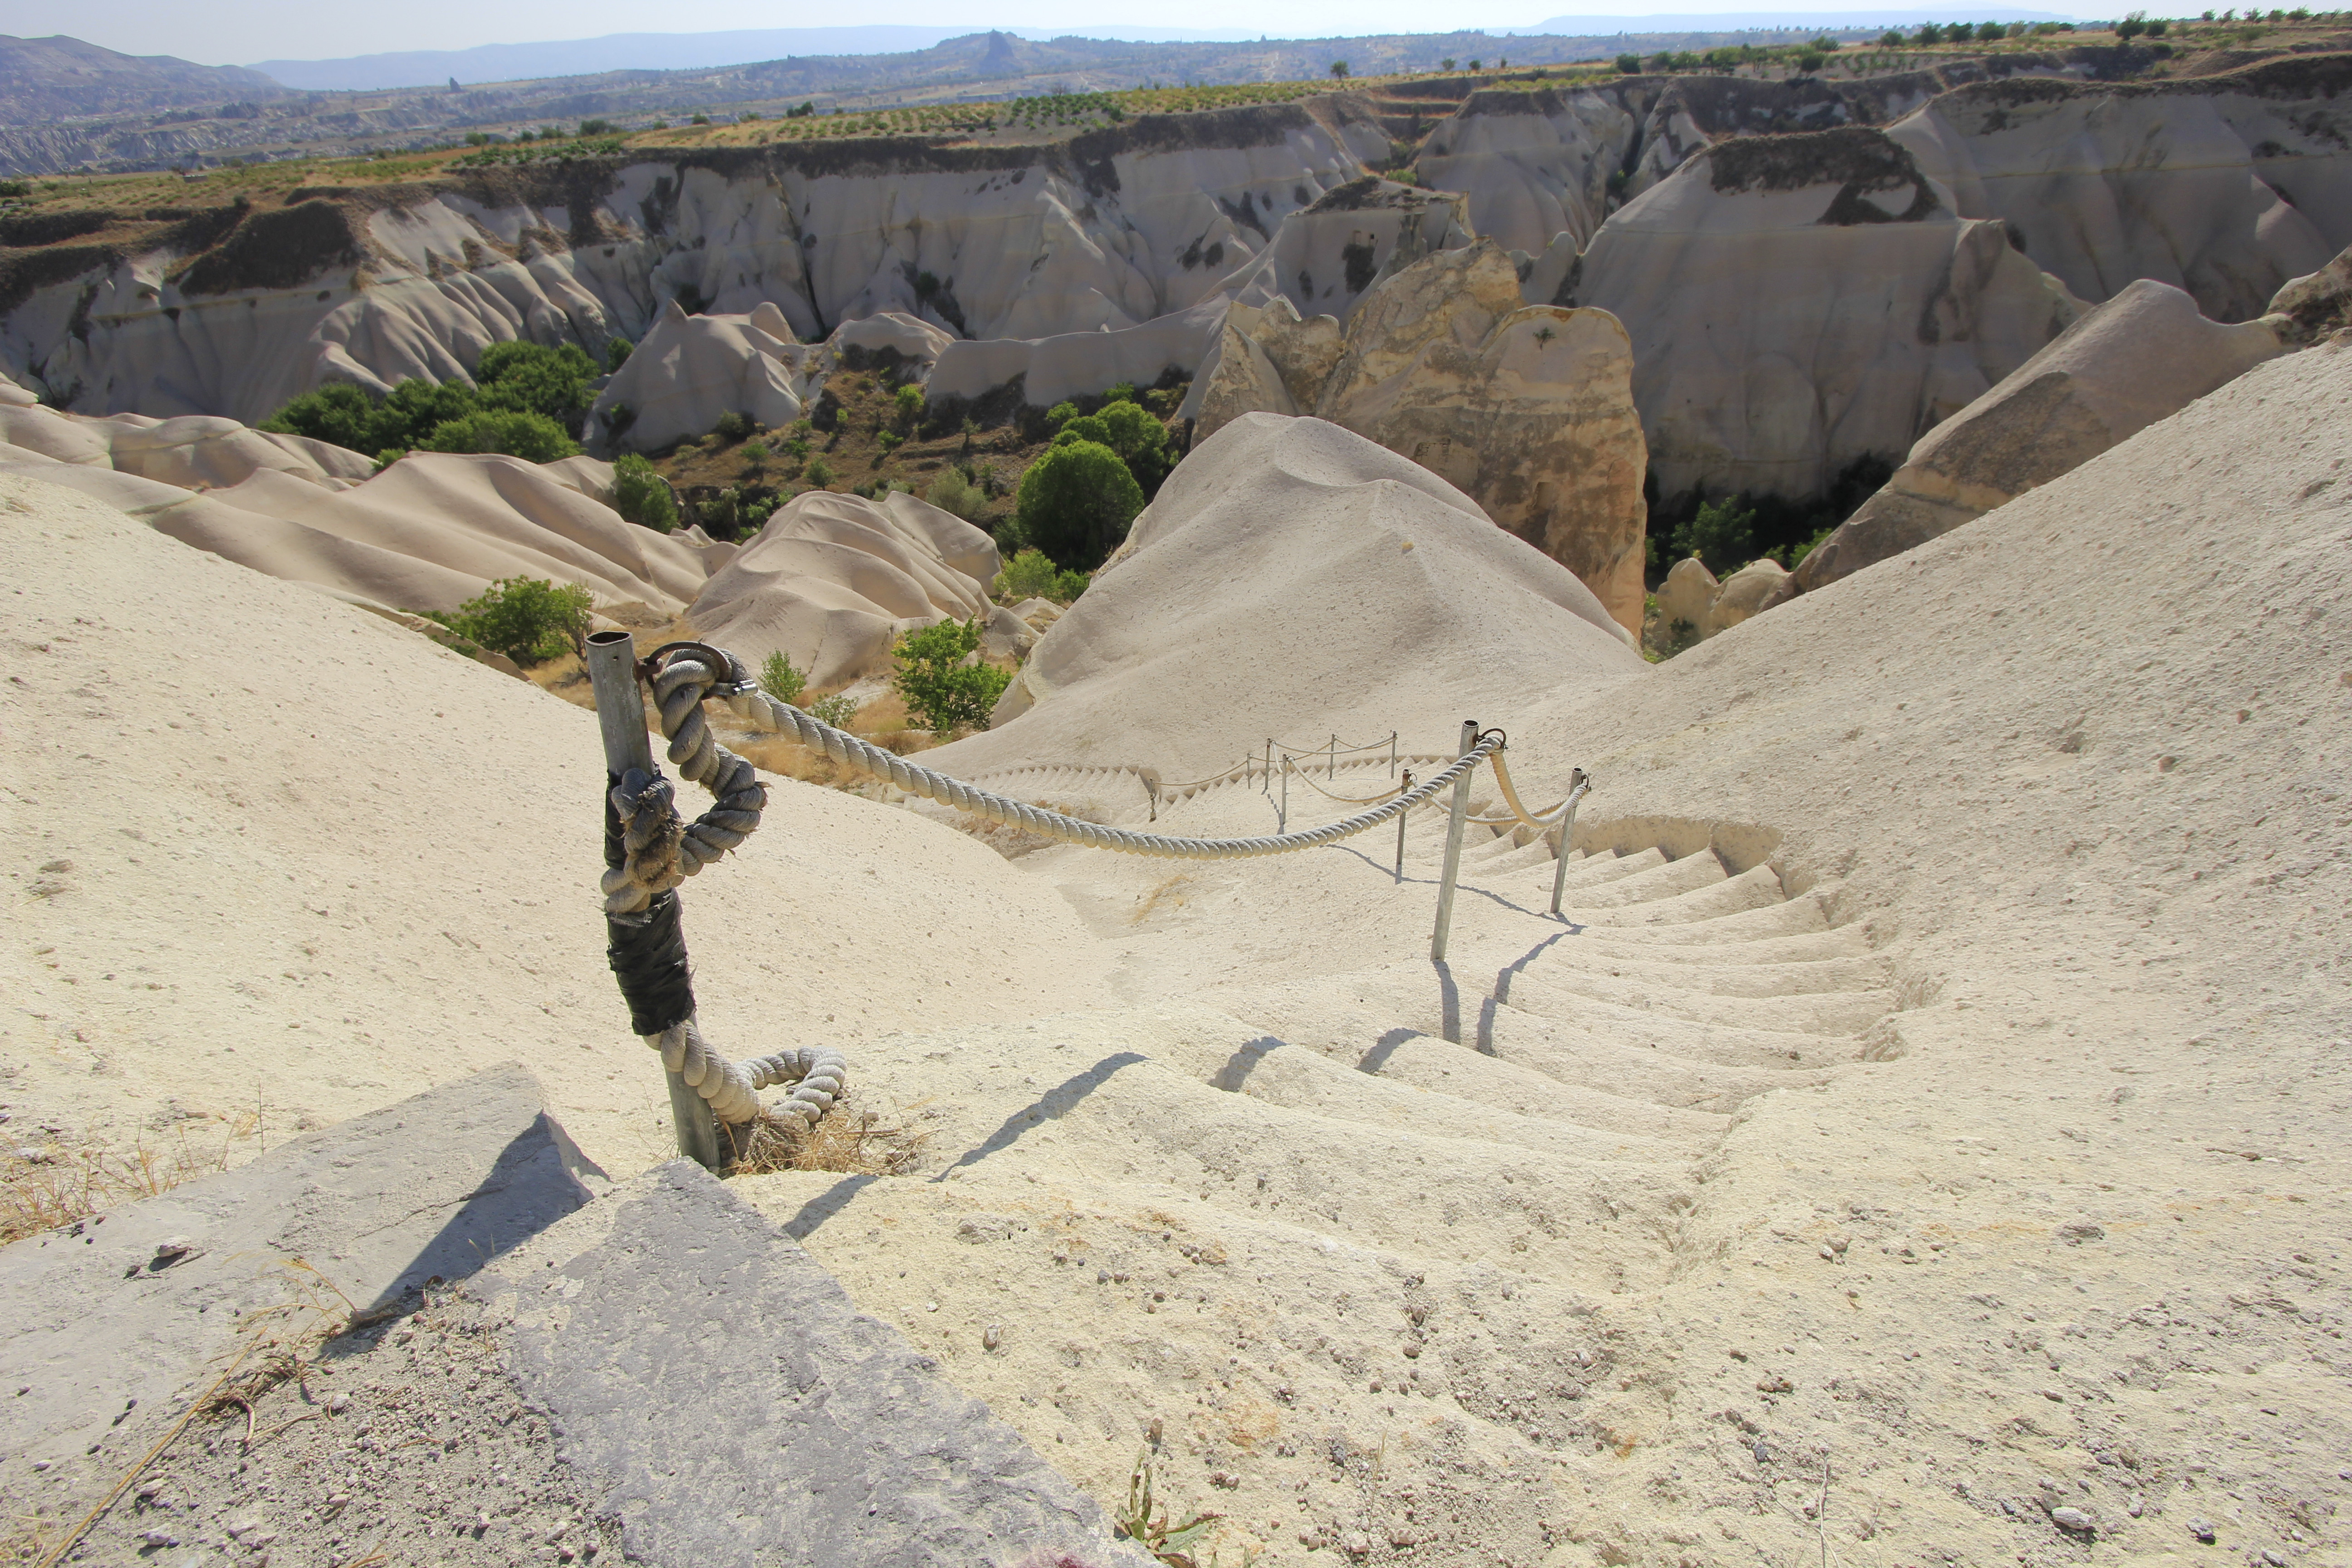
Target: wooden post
(1400, 816)
(1453, 846)
(621, 715)
(1567, 827)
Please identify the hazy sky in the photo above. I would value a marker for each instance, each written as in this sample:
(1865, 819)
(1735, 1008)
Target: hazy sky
(247, 30)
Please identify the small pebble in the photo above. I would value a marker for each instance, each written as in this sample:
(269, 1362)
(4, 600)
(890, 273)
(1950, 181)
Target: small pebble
(2202, 1530)
(992, 1336)
(338, 1402)
(160, 1538)
(2072, 1519)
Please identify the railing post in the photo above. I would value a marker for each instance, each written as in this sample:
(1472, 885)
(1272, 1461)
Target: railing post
(1453, 846)
(1265, 780)
(1282, 815)
(621, 716)
(1392, 739)
(1567, 827)
(1332, 768)
(1400, 816)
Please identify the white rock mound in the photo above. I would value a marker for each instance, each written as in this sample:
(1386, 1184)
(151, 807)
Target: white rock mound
(832, 580)
(1293, 577)
(1528, 409)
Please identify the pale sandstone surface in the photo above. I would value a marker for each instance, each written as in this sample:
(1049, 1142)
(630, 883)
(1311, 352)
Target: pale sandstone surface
(1797, 303)
(1950, 940)
(2043, 1212)
(2142, 355)
(336, 865)
(1528, 409)
(830, 581)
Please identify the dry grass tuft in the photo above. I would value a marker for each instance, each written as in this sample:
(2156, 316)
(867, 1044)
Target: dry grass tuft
(852, 1142)
(60, 1180)
(1168, 891)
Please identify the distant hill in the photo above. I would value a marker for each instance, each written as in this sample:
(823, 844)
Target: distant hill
(647, 51)
(1745, 21)
(57, 77)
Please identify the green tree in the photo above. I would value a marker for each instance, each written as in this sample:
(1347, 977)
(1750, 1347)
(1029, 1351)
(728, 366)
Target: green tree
(1060, 413)
(533, 437)
(1631, 65)
(1030, 574)
(942, 686)
(1723, 535)
(907, 406)
(1129, 429)
(782, 678)
(529, 619)
(1339, 70)
(532, 378)
(952, 492)
(617, 352)
(641, 495)
(1075, 502)
(338, 414)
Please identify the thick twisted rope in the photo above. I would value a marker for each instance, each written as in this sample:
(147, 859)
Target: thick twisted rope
(765, 713)
(731, 1087)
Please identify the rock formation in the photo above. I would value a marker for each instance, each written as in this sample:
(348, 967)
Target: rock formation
(2226, 186)
(2143, 355)
(2314, 306)
(1690, 596)
(827, 582)
(832, 580)
(1528, 409)
(1797, 303)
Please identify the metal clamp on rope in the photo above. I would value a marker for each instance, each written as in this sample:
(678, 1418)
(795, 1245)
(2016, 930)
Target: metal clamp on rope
(739, 679)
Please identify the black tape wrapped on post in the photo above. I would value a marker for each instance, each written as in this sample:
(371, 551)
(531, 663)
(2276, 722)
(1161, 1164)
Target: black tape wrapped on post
(647, 949)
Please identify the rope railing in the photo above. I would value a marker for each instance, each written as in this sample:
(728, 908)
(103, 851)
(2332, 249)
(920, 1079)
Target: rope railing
(650, 850)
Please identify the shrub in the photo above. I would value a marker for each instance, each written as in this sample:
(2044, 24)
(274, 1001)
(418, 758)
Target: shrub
(533, 437)
(889, 441)
(1075, 502)
(529, 619)
(338, 414)
(840, 710)
(732, 425)
(641, 496)
(1723, 535)
(1030, 574)
(1060, 413)
(941, 690)
(818, 474)
(952, 492)
(782, 679)
(755, 453)
(1631, 65)
(907, 406)
(532, 378)
(1807, 61)
(616, 354)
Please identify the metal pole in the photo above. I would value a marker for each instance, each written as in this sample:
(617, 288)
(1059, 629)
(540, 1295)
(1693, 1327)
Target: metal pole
(1567, 827)
(1392, 735)
(1332, 768)
(621, 715)
(1454, 845)
(1265, 780)
(1282, 820)
(1400, 816)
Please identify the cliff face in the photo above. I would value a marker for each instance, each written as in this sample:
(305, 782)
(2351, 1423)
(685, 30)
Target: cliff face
(2225, 186)
(374, 285)
(1797, 303)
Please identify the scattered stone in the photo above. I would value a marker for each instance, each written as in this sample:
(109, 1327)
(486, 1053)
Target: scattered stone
(2202, 1530)
(2072, 1519)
